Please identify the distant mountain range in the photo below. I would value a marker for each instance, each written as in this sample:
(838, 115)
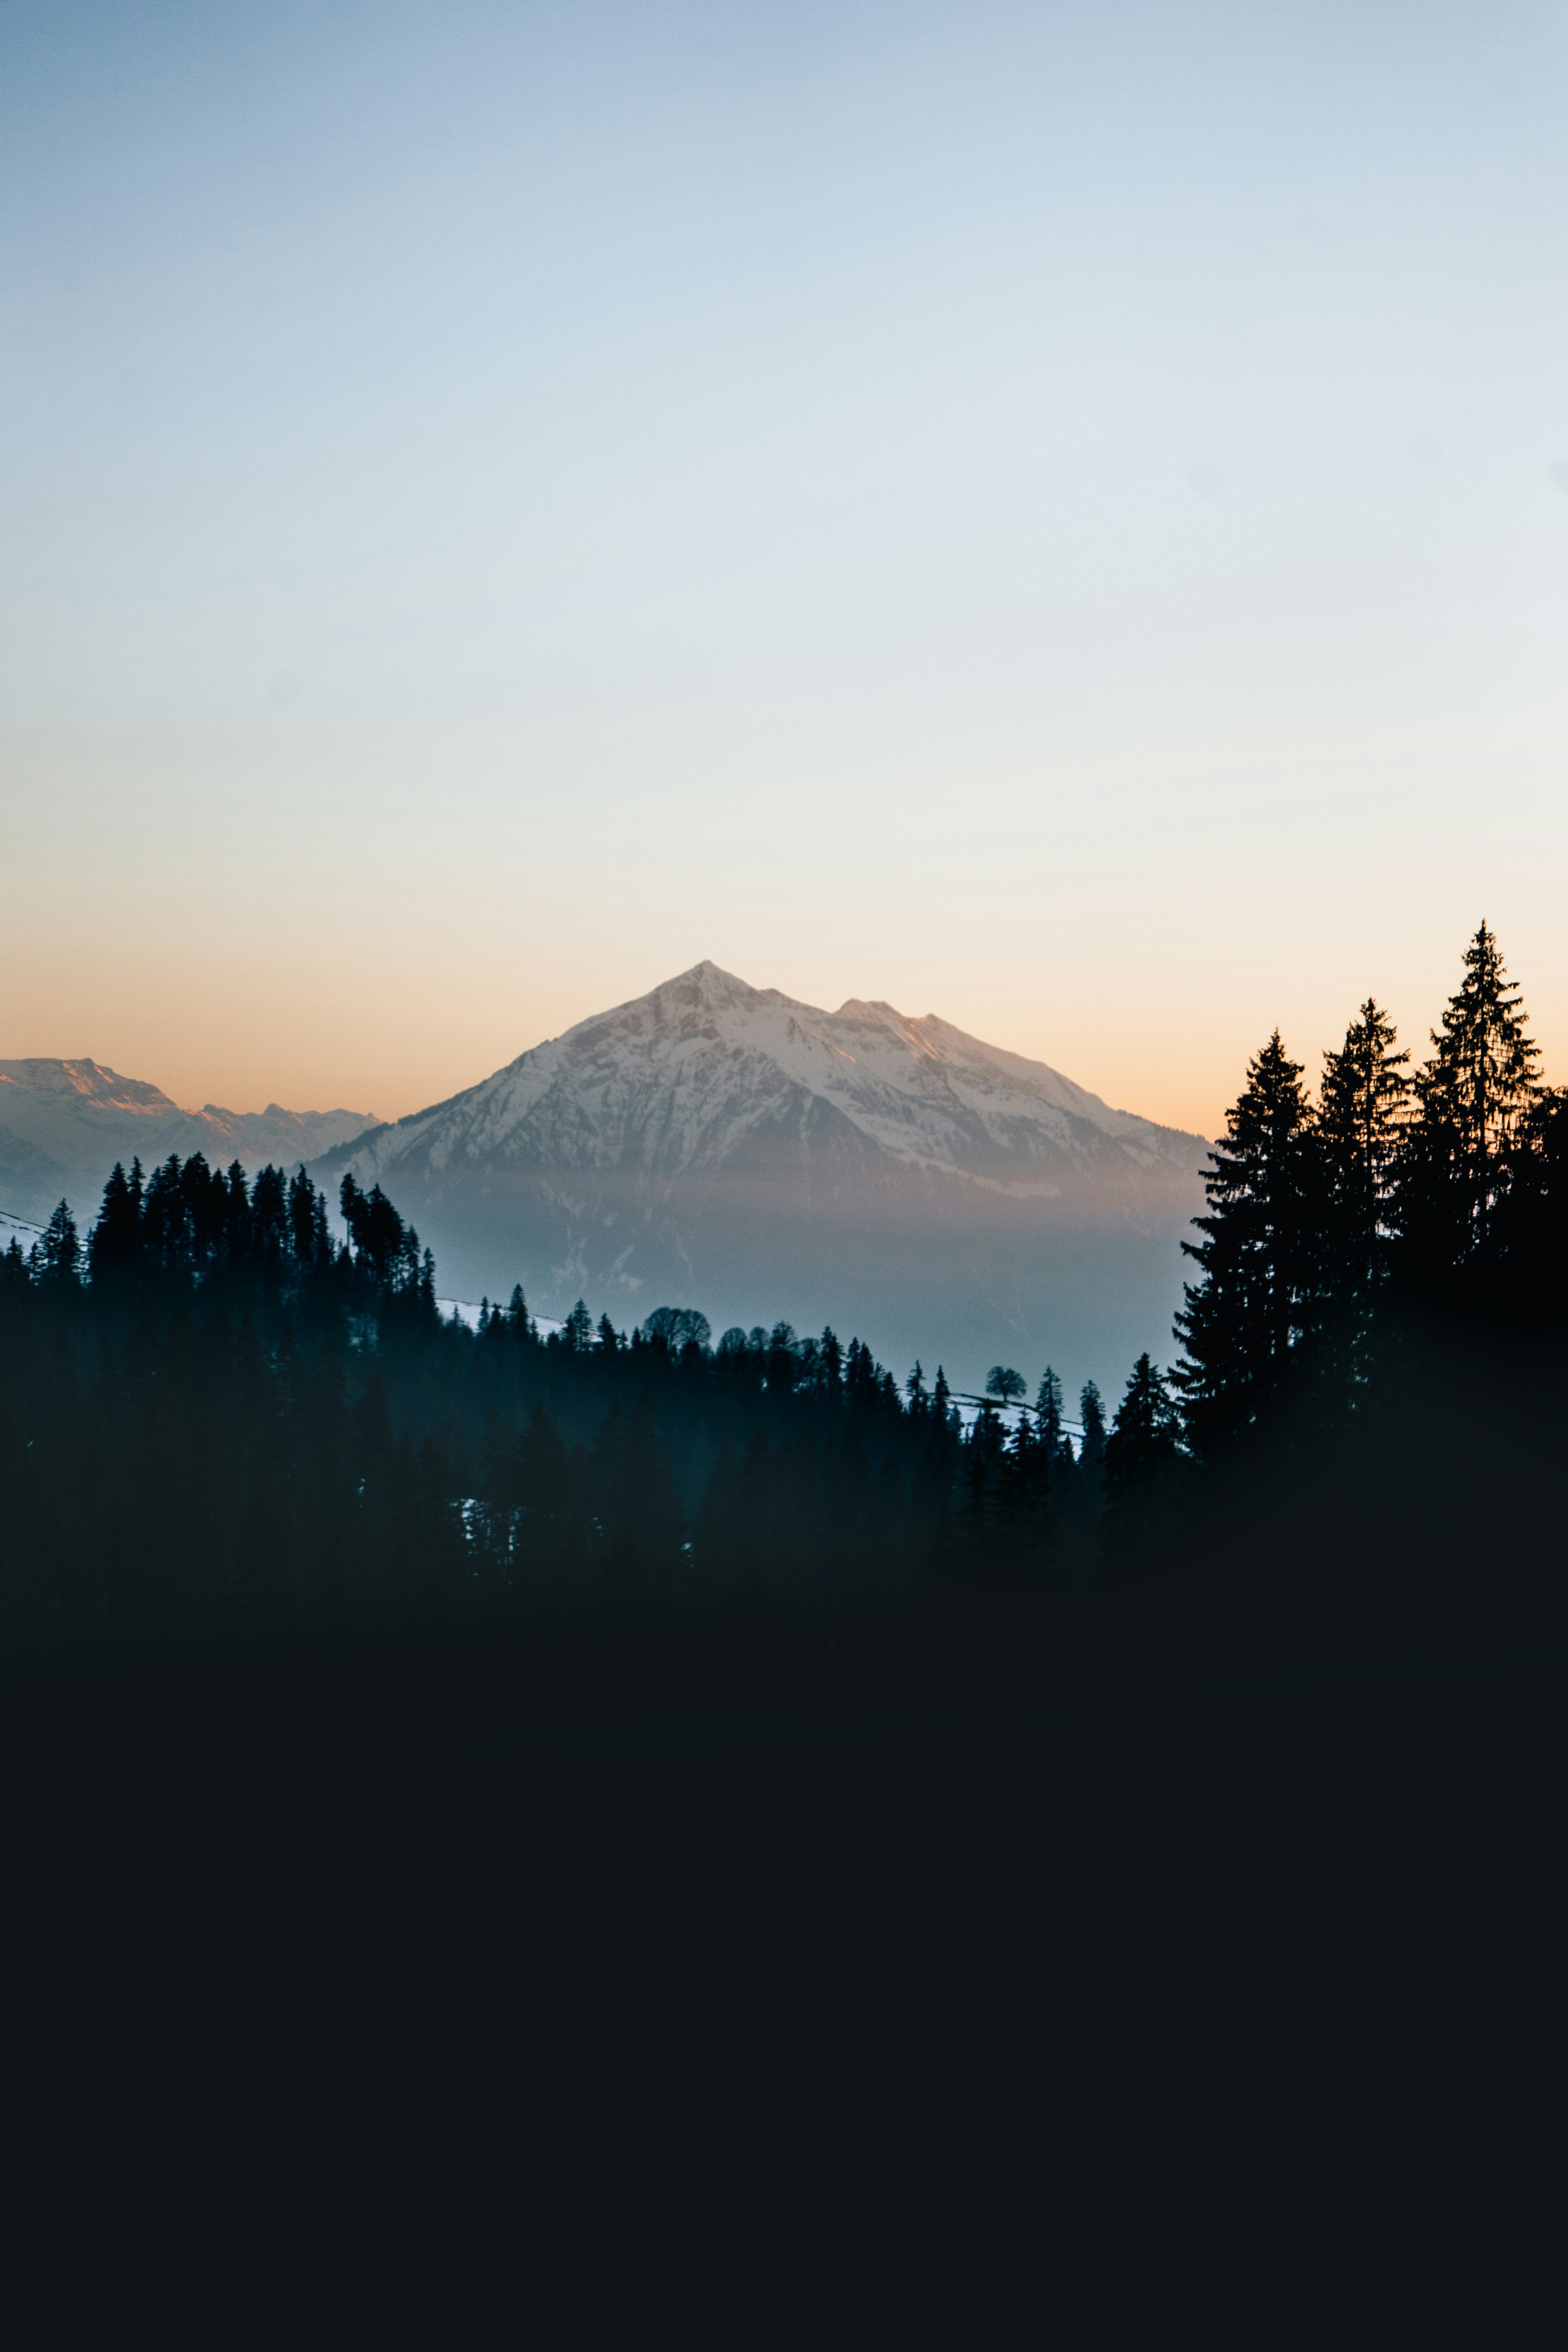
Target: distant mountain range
(720, 1146)
(64, 1124)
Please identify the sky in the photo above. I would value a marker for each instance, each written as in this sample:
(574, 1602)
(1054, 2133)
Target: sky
(1053, 516)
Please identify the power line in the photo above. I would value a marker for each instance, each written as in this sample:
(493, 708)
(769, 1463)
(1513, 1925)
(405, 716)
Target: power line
(1010, 1404)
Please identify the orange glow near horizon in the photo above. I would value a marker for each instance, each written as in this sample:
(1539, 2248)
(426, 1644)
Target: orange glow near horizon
(388, 1041)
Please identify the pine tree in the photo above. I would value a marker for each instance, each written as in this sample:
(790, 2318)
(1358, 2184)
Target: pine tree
(381, 1240)
(166, 1238)
(1048, 1422)
(59, 1251)
(1258, 1296)
(238, 1222)
(1359, 1131)
(1361, 1118)
(269, 1217)
(1477, 1094)
(1027, 1519)
(943, 1411)
(111, 1245)
(860, 1376)
(206, 1210)
(781, 1361)
(308, 1222)
(1143, 1466)
(1092, 1414)
(982, 1523)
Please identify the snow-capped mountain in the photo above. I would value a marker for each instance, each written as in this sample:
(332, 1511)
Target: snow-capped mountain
(720, 1146)
(64, 1124)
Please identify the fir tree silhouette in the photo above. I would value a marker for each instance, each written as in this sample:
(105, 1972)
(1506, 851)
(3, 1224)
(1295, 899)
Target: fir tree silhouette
(1258, 1294)
(1461, 1152)
(1142, 1474)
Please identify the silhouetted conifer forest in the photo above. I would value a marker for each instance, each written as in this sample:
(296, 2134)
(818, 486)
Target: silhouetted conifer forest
(211, 1410)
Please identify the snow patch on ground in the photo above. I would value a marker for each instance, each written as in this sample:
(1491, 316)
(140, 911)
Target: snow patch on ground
(467, 1312)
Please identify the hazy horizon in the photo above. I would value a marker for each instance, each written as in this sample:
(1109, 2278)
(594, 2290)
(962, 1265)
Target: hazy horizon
(763, 987)
(1417, 1038)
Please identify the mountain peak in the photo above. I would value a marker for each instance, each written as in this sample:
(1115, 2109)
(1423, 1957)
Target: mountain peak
(84, 1082)
(866, 1167)
(706, 985)
(708, 974)
(869, 1008)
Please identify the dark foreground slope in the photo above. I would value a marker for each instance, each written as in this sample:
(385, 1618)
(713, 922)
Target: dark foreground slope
(1444, 1583)
(1000, 1964)
(988, 1944)
(1199, 1949)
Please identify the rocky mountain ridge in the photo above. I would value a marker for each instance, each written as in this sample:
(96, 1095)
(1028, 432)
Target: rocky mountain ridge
(63, 1124)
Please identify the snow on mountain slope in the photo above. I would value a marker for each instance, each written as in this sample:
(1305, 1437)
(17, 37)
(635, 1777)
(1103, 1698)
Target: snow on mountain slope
(684, 1074)
(728, 1147)
(63, 1125)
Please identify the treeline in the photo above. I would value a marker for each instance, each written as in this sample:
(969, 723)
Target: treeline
(1410, 1222)
(215, 1404)
(1408, 1216)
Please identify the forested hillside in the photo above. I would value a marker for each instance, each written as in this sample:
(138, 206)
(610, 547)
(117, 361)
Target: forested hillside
(214, 1408)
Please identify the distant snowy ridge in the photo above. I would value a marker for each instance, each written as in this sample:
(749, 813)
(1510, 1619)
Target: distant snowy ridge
(64, 1124)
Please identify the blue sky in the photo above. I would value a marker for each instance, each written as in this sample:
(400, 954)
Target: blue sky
(1054, 516)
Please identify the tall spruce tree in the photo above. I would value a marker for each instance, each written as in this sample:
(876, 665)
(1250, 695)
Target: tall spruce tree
(1361, 1118)
(1048, 1407)
(1258, 1299)
(944, 1413)
(1092, 1416)
(60, 1252)
(1049, 1429)
(111, 1246)
(1362, 1109)
(1477, 1095)
(1026, 1519)
(1143, 1470)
